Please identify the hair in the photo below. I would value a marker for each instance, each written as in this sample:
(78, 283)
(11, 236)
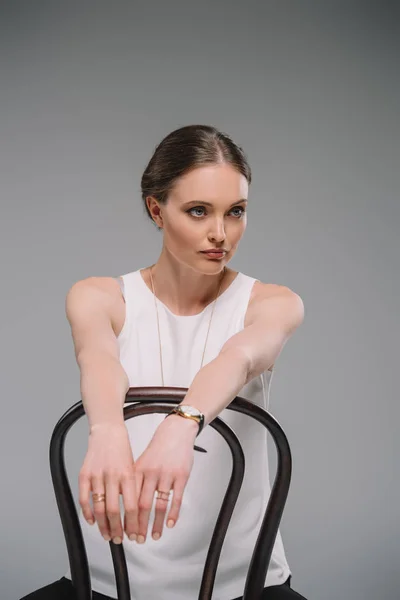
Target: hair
(186, 149)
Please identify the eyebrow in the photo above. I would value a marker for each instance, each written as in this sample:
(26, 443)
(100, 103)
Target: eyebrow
(194, 202)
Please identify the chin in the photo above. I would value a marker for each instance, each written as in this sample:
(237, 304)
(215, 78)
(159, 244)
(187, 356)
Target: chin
(202, 264)
(212, 266)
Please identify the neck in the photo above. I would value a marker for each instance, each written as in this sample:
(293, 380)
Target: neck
(181, 288)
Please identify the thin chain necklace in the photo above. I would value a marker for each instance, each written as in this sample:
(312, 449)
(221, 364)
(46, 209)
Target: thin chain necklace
(158, 322)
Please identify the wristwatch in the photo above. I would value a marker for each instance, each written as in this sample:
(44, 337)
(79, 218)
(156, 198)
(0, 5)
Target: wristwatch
(189, 412)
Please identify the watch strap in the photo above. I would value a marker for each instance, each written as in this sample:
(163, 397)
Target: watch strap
(199, 419)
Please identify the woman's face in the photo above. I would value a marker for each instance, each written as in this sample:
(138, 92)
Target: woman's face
(205, 209)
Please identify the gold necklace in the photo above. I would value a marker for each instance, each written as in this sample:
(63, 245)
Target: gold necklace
(158, 322)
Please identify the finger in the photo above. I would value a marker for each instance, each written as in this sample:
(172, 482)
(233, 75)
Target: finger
(113, 509)
(84, 498)
(164, 485)
(139, 479)
(99, 508)
(130, 498)
(146, 500)
(173, 515)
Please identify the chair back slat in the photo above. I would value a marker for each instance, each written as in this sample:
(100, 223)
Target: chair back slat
(261, 556)
(151, 406)
(66, 506)
(121, 571)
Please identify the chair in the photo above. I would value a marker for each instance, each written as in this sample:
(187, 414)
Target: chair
(146, 400)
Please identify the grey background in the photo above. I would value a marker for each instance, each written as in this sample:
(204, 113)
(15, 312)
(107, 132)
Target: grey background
(311, 91)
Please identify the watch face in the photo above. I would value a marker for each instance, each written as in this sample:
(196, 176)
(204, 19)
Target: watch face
(190, 410)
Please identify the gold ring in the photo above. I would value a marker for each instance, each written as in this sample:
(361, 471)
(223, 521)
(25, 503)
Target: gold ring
(98, 497)
(160, 495)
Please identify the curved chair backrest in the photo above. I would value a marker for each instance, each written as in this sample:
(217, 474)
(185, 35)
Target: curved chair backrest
(145, 400)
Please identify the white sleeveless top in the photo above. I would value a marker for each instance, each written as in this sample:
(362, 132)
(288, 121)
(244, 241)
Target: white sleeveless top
(171, 568)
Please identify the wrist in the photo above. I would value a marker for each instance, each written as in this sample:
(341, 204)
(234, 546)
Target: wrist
(107, 426)
(181, 426)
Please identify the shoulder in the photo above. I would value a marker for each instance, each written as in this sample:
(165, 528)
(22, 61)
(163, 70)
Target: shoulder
(97, 293)
(272, 298)
(102, 289)
(262, 291)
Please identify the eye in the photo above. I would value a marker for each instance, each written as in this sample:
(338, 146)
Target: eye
(241, 213)
(190, 211)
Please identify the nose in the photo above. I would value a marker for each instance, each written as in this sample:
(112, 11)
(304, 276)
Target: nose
(217, 232)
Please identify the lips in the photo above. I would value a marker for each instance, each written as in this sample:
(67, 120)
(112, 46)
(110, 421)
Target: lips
(214, 254)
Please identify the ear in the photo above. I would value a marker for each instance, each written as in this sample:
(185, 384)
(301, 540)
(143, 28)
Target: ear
(155, 210)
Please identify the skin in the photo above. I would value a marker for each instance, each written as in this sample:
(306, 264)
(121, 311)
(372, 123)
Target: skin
(185, 281)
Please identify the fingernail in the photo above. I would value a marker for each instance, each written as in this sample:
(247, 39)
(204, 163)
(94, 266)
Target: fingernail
(106, 537)
(132, 537)
(156, 536)
(117, 540)
(170, 523)
(91, 522)
(140, 539)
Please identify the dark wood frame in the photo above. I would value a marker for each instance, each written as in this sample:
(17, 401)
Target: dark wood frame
(145, 400)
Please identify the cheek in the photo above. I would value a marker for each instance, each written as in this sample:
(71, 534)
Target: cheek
(181, 233)
(237, 231)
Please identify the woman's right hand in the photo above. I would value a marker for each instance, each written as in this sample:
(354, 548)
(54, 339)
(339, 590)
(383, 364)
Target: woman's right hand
(108, 469)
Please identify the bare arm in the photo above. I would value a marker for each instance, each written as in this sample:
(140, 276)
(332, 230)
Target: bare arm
(108, 467)
(103, 381)
(272, 320)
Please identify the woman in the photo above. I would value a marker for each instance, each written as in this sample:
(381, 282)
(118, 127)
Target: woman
(187, 321)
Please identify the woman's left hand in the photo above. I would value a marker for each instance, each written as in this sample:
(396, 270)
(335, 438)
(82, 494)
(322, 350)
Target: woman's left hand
(165, 465)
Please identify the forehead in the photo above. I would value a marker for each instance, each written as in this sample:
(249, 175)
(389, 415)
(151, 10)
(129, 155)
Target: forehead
(212, 183)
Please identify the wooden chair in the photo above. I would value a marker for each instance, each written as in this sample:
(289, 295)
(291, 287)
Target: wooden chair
(145, 400)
